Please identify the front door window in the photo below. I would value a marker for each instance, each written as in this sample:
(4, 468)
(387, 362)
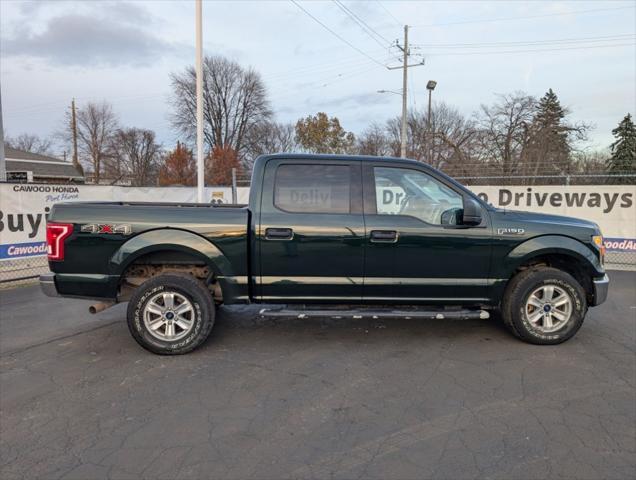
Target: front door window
(402, 191)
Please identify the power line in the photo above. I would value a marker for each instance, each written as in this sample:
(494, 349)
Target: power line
(323, 66)
(607, 38)
(316, 70)
(503, 19)
(329, 78)
(336, 35)
(364, 25)
(373, 34)
(389, 13)
(532, 51)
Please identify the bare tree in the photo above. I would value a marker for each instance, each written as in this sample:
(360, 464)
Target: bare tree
(136, 155)
(445, 141)
(268, 137)
(30, 143)
(503, 131)
(375, 141)
(96, 125)
(234, 101)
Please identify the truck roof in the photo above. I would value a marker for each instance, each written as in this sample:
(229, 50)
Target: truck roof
(336, 157)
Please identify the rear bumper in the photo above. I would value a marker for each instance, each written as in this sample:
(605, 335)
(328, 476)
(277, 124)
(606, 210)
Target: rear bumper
(601, 286)
(47, 284)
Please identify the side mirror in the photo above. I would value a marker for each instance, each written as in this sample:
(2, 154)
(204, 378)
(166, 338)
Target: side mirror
(452, 216)
(472, 212)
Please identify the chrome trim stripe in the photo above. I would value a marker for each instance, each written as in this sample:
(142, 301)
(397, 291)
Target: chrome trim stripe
(238, 279)
(270, 280)
(428, 299)
(401, 299)
(424, 281)
(302, 297)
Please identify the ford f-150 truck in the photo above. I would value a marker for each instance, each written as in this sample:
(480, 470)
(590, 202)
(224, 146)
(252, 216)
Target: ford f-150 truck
(328, 235)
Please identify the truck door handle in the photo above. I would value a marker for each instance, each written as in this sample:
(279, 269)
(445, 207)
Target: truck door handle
(384, 236)
(279, 234)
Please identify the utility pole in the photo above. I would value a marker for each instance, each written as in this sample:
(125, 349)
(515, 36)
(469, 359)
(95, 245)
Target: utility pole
(405, 66)
(404, 92)
(199, 92)
(74, 130)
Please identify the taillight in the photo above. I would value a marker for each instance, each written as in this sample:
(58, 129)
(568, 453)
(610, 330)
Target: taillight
(56, 233)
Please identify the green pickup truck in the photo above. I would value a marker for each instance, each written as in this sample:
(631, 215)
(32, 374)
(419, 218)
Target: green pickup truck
(328, 235)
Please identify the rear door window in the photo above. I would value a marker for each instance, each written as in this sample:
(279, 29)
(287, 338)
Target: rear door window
(313, 188)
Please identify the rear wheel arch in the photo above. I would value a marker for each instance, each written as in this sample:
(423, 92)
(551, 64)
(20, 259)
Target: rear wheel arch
(169, 240)
(168, 251)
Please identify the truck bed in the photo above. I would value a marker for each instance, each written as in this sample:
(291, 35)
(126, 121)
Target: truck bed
(98, 256)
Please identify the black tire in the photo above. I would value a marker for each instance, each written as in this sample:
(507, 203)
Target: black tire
(518, 291)
(201, 316)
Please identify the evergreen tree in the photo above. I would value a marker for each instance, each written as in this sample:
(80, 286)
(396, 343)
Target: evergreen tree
(623, 159)
(548, 150)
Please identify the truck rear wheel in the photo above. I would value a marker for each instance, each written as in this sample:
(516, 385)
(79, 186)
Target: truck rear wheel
(544, 306)
(171, 314)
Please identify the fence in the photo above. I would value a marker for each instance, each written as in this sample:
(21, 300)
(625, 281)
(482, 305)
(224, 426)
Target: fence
(23, 208)
(574, 179)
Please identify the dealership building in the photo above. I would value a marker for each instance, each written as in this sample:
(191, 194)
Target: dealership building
(30, 167)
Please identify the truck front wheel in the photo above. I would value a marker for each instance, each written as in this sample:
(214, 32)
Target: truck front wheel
(171, 314)
(544, 305)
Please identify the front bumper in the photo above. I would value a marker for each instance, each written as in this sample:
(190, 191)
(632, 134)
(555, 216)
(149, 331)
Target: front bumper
(47, 284)
(601, 286)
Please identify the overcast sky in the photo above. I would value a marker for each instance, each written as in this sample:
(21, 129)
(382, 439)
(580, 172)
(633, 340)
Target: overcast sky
(124, 52)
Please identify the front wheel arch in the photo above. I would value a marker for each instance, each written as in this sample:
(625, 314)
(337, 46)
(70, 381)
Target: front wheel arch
(551, 246)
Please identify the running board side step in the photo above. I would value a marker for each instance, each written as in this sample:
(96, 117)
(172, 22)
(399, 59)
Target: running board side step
(378, 313)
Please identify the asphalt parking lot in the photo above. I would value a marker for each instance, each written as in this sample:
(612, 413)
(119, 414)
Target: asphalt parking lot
(268, 398)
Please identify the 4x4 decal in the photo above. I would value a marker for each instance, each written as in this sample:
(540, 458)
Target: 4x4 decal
(106, 228)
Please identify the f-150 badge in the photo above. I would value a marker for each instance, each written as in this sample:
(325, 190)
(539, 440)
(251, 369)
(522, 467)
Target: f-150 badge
(105, 228)
(511, 231)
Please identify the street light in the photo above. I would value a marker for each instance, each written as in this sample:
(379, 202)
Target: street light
(389, 91)
(430, 86)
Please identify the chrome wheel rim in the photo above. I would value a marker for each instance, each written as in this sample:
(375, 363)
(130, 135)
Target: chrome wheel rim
(168, 316)
(548, 308)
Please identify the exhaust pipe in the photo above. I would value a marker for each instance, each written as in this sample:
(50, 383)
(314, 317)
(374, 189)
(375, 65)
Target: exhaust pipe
(99, 307)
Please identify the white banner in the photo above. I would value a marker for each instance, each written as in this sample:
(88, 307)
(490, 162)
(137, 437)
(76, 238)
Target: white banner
(23, 207)
(612, 207)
